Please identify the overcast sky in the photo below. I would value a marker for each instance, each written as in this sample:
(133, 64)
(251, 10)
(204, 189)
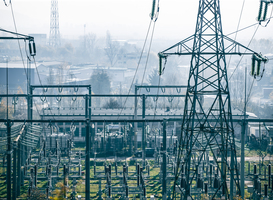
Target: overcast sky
(128, 19)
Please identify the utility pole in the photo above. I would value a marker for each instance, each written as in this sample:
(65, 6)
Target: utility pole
(143, 143)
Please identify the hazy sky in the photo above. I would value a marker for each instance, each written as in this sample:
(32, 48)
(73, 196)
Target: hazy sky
(128, 19)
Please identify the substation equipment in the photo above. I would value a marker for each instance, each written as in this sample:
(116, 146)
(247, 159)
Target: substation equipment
(201, 163)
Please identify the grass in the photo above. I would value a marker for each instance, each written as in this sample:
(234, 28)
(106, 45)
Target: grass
(153, 185)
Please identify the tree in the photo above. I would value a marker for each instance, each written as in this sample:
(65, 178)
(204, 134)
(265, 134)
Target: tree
(100, 82)
(3, 109)
(111, 49)
(153, 78)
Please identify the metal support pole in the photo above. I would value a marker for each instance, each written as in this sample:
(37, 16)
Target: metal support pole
(131, 138)
(14, 186)
(86, 106)
(135, 124)
(143, 144)
(243, 145)
(242, 175)
(87, 161)
(22, 164)
(90, 102)
(31, 103)
(232, 172)
(35, 175)
(18, 168)
(9, 161)
(164, 167)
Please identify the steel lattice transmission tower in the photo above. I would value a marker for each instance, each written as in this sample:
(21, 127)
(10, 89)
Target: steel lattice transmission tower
(207, 134)
(54, 36)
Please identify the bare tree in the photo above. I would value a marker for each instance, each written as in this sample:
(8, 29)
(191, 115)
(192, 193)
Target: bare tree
(91, 40)
(111, 49)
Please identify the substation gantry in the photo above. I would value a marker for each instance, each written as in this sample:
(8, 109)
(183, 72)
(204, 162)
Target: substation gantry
(32, 52)
(203, 142)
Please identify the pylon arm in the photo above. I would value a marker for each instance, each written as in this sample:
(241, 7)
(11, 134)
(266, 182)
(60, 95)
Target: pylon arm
(183, 48)
(19, 36)
(234, 48)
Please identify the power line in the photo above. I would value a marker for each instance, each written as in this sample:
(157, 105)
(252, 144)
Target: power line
(141, 54)
(246, 27)
(250, 90)
(159, 78)
(21, 54)
(147, 59)
(244, 52)
(40, 82)
(153, 19)
(237, 30)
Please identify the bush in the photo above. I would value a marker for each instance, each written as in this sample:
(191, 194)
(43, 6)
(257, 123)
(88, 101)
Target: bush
(112, 104)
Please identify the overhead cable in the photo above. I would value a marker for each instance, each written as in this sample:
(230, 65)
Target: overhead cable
(154, 18)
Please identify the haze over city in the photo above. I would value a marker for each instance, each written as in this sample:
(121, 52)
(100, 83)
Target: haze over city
(129, 19)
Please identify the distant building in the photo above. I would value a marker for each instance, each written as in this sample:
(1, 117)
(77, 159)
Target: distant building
(16, 76)
(257, 130)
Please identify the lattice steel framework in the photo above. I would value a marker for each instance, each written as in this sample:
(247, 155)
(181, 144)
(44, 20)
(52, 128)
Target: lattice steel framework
(207, 80)
(54, 36)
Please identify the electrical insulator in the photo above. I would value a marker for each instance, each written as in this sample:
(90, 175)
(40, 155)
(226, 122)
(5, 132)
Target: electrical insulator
(153, 10)
(263, 10)
(32, 48)
(258, 67)
(161, 57)
(160, 66)
(256, 58)
(253, 66)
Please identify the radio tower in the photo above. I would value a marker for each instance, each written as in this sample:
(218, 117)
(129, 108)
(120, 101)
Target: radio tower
(207, 134)
(54, 36)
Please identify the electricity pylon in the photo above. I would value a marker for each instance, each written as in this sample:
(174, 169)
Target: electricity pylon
(54, 36)
(207, 127)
